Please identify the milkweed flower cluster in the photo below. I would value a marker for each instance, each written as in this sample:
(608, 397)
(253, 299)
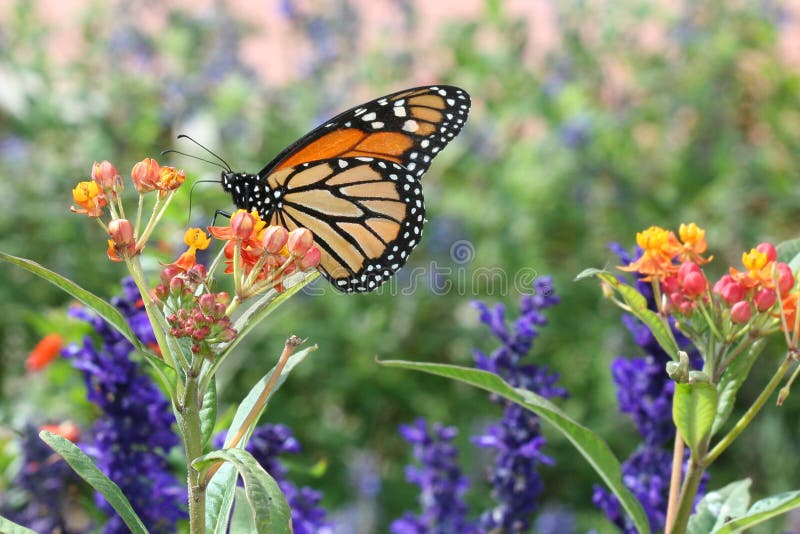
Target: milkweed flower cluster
(261, 257)
(645, 392)
(103, 191)
(133, 436)
(725, 322)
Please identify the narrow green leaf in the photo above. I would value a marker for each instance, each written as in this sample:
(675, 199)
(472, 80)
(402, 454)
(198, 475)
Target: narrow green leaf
(271, 512)
(590, 273)
(87, 470)
(789, 252)
(638, 307)
(762, 511)
(220, 491)
(694, 407)
(9, 527)
(219, 499)
(241, 519)
(98, 305)
(252, 396)
(732, 379)
(208, 412)
(589, 444)
(719, 506)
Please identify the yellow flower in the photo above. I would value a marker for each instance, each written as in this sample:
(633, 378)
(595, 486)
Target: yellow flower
(660, 247)
(90, 198)
(694, 243)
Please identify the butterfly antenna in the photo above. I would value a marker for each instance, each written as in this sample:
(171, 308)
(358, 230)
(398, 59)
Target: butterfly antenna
(184, 136)
(191, 194)
(173, 151)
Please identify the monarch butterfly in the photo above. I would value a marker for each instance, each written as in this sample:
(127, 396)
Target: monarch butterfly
(354, 182)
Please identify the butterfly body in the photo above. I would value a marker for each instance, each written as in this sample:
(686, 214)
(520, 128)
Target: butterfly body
(355, 182)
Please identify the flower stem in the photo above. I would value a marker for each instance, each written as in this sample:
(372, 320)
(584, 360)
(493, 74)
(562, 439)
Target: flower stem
(688, 493)
(193, 442)
(675, 481)
(750, 414)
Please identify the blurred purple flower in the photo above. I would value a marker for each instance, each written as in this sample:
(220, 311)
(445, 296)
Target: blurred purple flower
(41, 490)
(133, 435)
(440, 481)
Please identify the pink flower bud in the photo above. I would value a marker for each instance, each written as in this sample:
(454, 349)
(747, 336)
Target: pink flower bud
(694, 284)
(670, 284)
(242, 224)
(741, 312)
(785, 278)
(176, 285)
(730, 290)
(310, 260)
(145, 175)
(275, 238)
(106, 175)
(299, 241)
(121, 232)
(768, 249)
(764, 299)
(207, 302)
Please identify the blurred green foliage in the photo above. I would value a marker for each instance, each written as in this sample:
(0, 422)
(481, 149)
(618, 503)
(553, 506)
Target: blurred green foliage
(636, 115)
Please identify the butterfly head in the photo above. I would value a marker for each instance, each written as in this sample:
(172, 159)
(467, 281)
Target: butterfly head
(247, 191)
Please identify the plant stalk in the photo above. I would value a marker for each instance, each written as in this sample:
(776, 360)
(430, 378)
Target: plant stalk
(193, 443)
(688, 493)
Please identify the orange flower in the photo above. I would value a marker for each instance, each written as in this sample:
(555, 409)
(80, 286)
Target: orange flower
(66, 429)
(122, 243)
(145, 175)
(171, 178)
(196, 240)
(660, 249)
(90, 198)
(789, 303)
(44, 352)
(694, 244)
(759, 270)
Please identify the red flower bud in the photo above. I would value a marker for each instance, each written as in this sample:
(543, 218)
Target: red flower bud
(176, 285)
(145, 175)
(121, 232)
(741, 312)
(764, 299)
(769, 250)
(785, 278)
(694, 284)
(310, 260)
(729, 289)
(207, 302)
(106, 175)
(670, 285)
(300, 240)
(242, 224)
(275, 238)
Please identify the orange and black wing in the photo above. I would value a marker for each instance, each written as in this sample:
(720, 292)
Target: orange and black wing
(408, 128)
(366, 215)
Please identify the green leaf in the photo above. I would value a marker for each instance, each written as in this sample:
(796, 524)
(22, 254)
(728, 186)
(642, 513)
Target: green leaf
(762, 511)
(694, 407)
(98, 305)
(242, 519)
(590, 273)
(638, 307)
(732, 379)
(589, 444)
(271, 512)
(87, 470)
(9, 527)
(719, 506)
(789, 252)
(220, 490)
(219, 499)
(208, 412)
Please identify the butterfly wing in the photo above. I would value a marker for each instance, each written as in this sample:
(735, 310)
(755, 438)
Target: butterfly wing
(407, 127)
(366, 215)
